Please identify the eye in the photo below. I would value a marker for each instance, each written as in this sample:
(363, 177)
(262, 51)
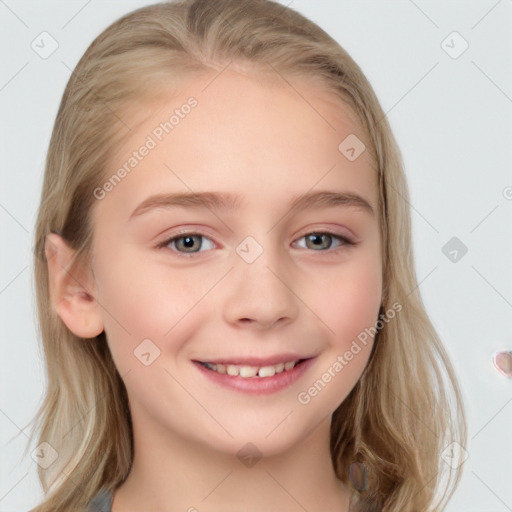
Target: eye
(191, 243)
(186, 243)
(324, 240)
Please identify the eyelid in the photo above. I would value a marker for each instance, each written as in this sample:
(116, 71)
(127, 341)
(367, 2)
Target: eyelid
(345, 235)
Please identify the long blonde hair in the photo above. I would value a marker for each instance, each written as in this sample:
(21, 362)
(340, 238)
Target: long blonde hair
(407, 406)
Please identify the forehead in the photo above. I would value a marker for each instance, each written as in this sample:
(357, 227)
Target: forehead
(248, 134)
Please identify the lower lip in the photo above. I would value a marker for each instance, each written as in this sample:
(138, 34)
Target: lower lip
(258, 385)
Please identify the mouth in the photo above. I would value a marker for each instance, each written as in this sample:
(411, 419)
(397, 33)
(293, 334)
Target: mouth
(255, 376)
(249, 371)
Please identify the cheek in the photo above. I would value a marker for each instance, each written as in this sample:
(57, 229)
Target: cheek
(349, 306)
(348, 299)
(136, 304)
(142, 300)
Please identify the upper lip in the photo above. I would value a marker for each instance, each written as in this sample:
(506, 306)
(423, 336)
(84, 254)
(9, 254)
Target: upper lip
(256, 361)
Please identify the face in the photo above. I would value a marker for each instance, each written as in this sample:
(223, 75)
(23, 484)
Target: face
(232, 316)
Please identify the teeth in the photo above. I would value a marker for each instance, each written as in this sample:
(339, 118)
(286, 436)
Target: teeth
(267, 371)
(232, 370)
(248, 371)
(251, 371)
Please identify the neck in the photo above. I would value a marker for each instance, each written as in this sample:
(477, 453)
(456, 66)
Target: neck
(176, 474)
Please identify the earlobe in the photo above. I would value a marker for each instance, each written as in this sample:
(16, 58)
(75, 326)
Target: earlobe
(72, 289)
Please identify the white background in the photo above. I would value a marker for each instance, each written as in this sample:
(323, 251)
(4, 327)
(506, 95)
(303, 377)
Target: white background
(453, 121)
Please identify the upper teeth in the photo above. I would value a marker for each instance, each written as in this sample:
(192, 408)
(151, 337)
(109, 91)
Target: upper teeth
(251, 371)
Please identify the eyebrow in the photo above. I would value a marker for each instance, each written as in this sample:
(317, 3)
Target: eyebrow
(230, 202)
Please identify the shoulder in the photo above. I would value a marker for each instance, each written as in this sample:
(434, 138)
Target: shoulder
(102, 502)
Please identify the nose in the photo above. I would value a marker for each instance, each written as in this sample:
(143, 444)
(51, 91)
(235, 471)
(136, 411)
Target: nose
(261, 293)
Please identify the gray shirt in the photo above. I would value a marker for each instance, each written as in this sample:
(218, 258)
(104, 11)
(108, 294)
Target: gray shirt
(101, 503)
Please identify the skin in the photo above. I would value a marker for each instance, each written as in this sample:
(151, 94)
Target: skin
(262, 140)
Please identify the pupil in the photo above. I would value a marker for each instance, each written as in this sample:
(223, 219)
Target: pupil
(316, 239)
(188, 242)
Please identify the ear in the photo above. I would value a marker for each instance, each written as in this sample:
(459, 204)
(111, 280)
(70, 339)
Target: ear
(72, 289)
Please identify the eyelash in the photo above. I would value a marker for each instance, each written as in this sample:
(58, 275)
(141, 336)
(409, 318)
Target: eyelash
(344, 242)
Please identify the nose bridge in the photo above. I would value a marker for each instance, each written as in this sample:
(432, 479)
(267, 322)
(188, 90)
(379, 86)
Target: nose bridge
(260, 289)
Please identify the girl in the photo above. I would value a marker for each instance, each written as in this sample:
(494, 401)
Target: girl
(225, 281)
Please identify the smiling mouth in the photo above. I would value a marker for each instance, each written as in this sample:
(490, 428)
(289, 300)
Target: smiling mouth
(247, 372)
